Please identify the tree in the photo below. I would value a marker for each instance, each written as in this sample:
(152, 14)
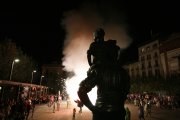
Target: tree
(56, 82)
(22, 70)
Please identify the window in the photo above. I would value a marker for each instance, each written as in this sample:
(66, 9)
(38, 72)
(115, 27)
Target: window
(155, 55)
(156, 63)
(142, 58)
(149, 73)
(154, 45)
(157, 72)
(143, 74)
(148, 57)
(137, 68)
(142, 50)
(149, 64)
(142, 66)
(148, 48)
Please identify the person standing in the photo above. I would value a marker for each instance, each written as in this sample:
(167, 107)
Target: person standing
(148, 109)
(79, 104)
(141, 112)
(33, 107)
(54, 106)
(74, 113)
(128, 114)
(58, 105)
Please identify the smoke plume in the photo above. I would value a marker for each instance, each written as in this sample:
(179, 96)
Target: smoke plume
(79, 25)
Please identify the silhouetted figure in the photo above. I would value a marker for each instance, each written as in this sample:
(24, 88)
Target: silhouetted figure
(74, 114)
(80, 105)
(54, 106)
(141, 112)
(112, 88)
(128, 114)
(112, 81)
(102, 52)
(33, 107)
(148, 109)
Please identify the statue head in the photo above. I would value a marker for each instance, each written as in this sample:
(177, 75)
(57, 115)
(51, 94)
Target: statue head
(99, 35)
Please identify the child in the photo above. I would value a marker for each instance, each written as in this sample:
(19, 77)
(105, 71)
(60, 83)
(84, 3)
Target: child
(74, 113)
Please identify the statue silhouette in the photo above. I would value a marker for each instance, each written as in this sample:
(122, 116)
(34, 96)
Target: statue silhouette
(112, 82)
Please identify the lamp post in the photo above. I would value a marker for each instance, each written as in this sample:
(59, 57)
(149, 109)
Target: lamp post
(34, 71)
(40, 84)
(12, 66)
(41, 79)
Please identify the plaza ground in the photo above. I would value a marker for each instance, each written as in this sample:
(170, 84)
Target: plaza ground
(43, 112)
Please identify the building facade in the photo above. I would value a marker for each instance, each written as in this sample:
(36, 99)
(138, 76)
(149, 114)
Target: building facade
(55, 68)
(149, 59)
(160, 57)
(170, 55)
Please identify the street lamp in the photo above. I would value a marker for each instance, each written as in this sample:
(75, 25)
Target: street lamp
(40, 83)
(41, 79)
(12, 65)
(34, 71)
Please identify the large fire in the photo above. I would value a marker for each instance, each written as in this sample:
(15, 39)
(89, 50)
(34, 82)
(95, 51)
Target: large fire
(75, 60)
(72, 88)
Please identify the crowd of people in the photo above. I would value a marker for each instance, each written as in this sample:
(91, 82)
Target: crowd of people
(159, 101)
(24, 107)
(20, 109)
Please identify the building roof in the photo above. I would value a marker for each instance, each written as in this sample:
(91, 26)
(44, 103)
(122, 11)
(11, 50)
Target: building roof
(11, 83)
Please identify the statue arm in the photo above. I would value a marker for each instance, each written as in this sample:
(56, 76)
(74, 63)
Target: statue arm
(82, 93)
(91, 52)
(89, 57)
(85, 87)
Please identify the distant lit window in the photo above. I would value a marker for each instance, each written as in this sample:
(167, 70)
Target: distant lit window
(148, 48)
(142, 50)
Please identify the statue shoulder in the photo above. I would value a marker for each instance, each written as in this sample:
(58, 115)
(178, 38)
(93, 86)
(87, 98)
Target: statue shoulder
(92, 46)
(112, 42)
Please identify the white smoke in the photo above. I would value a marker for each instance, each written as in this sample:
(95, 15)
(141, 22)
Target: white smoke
(79, 25)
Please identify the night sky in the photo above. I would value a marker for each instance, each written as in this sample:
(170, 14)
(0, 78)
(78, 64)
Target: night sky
(38, 31)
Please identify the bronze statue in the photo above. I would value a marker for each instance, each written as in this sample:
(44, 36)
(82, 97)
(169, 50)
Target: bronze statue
(112, 81)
